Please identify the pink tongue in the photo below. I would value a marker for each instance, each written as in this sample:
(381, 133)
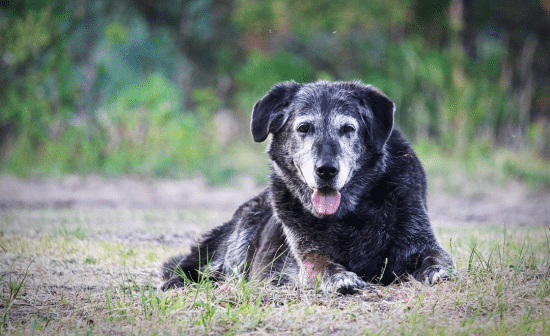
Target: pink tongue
(325, 204)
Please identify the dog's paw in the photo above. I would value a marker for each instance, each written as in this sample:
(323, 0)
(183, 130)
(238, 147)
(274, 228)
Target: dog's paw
(435, 274)
(173, 283)
(343, 282)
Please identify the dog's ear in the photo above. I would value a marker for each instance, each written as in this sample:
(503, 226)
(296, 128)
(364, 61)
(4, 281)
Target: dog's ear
(380, 122)
(268, 114)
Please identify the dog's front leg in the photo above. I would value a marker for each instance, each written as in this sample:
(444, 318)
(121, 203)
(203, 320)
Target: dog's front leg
(318, 271)
(434, 265)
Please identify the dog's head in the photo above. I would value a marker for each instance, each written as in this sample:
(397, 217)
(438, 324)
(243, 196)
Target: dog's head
(323, 132)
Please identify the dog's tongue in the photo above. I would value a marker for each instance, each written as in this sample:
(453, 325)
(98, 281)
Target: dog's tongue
(325, 204)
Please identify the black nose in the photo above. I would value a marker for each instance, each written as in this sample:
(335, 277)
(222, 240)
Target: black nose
(326, 172)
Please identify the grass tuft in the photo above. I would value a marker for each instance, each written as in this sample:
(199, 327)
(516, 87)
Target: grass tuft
(10, 291)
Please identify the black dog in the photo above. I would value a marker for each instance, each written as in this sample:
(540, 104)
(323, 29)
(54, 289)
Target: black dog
(346, 203)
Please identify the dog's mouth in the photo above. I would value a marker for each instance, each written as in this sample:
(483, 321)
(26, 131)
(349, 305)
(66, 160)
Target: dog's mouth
(326, 200)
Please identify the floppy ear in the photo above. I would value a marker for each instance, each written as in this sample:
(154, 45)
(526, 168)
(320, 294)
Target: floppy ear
(268, 114)
(380, 121)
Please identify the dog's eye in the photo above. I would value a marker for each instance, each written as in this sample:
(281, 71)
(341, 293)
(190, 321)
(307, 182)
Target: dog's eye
(304, 128)
(347, 129)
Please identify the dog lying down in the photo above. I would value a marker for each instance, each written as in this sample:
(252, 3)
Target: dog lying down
(346, 203)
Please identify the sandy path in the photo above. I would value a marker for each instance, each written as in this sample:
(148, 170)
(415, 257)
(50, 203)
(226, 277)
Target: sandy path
(510, 205)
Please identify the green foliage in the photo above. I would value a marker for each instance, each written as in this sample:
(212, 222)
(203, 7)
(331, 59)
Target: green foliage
(148, 133)
(27, 35)
(116, 33)
(536, 173)
(260, 72)
(90, 260)
(124, 87)
(143, 130)
(39, 102)
(438, 98)
(305, 18)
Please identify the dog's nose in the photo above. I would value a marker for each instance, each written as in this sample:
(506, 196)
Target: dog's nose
(326, 172)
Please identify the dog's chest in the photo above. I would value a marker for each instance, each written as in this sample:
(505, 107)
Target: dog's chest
(348, 242)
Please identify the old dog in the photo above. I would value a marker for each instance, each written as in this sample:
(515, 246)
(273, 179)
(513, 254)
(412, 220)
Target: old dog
(346, 203)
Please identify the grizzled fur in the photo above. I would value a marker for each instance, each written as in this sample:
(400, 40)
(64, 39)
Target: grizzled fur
(333, 138)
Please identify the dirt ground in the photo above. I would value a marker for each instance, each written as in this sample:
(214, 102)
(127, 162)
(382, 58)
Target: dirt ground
(513, 204)
(163, 216)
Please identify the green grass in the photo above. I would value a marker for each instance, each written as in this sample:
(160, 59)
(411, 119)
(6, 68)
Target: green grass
(90, 287)
(10, 290)
(480, 167)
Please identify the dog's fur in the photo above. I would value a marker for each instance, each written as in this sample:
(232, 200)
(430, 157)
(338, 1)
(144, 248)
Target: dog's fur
(335, 140)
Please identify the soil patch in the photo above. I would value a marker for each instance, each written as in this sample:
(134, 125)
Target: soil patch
(513, 204)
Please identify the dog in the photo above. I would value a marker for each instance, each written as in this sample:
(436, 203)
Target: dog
(346, 203)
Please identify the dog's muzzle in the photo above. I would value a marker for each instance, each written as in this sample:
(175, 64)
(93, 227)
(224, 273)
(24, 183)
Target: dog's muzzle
(327, 172)
(326, 198)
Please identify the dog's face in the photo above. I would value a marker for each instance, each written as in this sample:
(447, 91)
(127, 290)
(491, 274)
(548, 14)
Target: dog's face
(322, 133)
(326, 146)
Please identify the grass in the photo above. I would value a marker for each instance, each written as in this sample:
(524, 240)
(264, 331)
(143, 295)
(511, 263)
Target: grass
(485, 166)
(12, 289)
(58, 282)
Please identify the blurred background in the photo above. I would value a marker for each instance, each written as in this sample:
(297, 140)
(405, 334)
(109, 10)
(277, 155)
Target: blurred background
(165, 88)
